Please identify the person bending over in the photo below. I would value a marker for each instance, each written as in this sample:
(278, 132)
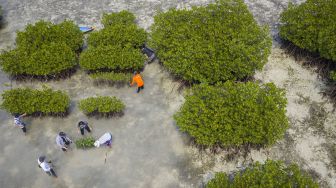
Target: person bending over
(82, 126)
(106, 139)
(46, 166)
(63, 141)
(19, 123)
(138, 80)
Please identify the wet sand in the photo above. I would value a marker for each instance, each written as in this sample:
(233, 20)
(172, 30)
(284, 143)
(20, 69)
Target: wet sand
(147, 150)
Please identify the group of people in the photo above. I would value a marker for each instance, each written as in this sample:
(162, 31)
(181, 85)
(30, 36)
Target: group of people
(137, 79)
(63, 141)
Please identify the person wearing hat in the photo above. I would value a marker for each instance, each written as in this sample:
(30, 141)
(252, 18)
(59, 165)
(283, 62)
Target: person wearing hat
(106, 139)
(46, 166)
(82, 125)
(138, 80)
(63, 141)
(19, 123)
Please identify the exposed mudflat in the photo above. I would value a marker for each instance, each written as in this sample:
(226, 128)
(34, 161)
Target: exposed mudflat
(148, 150)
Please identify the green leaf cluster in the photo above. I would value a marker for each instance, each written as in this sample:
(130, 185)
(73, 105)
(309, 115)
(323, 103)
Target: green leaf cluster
(102, 105)
(113, 58)
(112, 77)
(311, 26)
(43, 49)
(119, 29)
(84, 143)
(219, 42)
(121, 35)
(233, 114)
(272, 174)
(44, 33)
(123, 17)
(31, 101)
(332, 75)
(48, 60)
(116, 47)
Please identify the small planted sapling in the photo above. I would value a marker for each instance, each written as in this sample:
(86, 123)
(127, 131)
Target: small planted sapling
(85, 143)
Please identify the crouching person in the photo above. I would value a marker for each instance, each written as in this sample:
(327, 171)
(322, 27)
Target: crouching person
(149, 53)
(83, 125)
(46, 166)
(63, 141)
(106, 139)
(18, 122)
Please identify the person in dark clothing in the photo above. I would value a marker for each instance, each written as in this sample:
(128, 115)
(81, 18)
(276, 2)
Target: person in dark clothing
(149, 53)
(82, 125)
(63, 141)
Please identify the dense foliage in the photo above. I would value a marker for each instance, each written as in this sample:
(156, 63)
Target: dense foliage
(123, 17)
(83, 143)
(31, 101)
(112, 77)
(43, 49)
(44, 33)
(48, 60)
(116, 47)
(232, 114)
(119, 29)
(121, 35)
(272, 174)
(219, 42)
(311, 26)
(102, 105)
(112, 58)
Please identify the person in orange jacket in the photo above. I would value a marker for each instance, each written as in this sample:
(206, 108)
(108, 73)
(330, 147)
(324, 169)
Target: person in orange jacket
(138, 80)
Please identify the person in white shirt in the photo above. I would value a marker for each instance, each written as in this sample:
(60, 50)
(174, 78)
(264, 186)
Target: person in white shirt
(19, 123)
(106, 139)
(46, 166)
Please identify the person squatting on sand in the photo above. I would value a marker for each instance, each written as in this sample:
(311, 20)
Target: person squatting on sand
(19, 123)
(106, 139)
(46, 166)
(138, 80)
(63, 141)
(82, 125)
